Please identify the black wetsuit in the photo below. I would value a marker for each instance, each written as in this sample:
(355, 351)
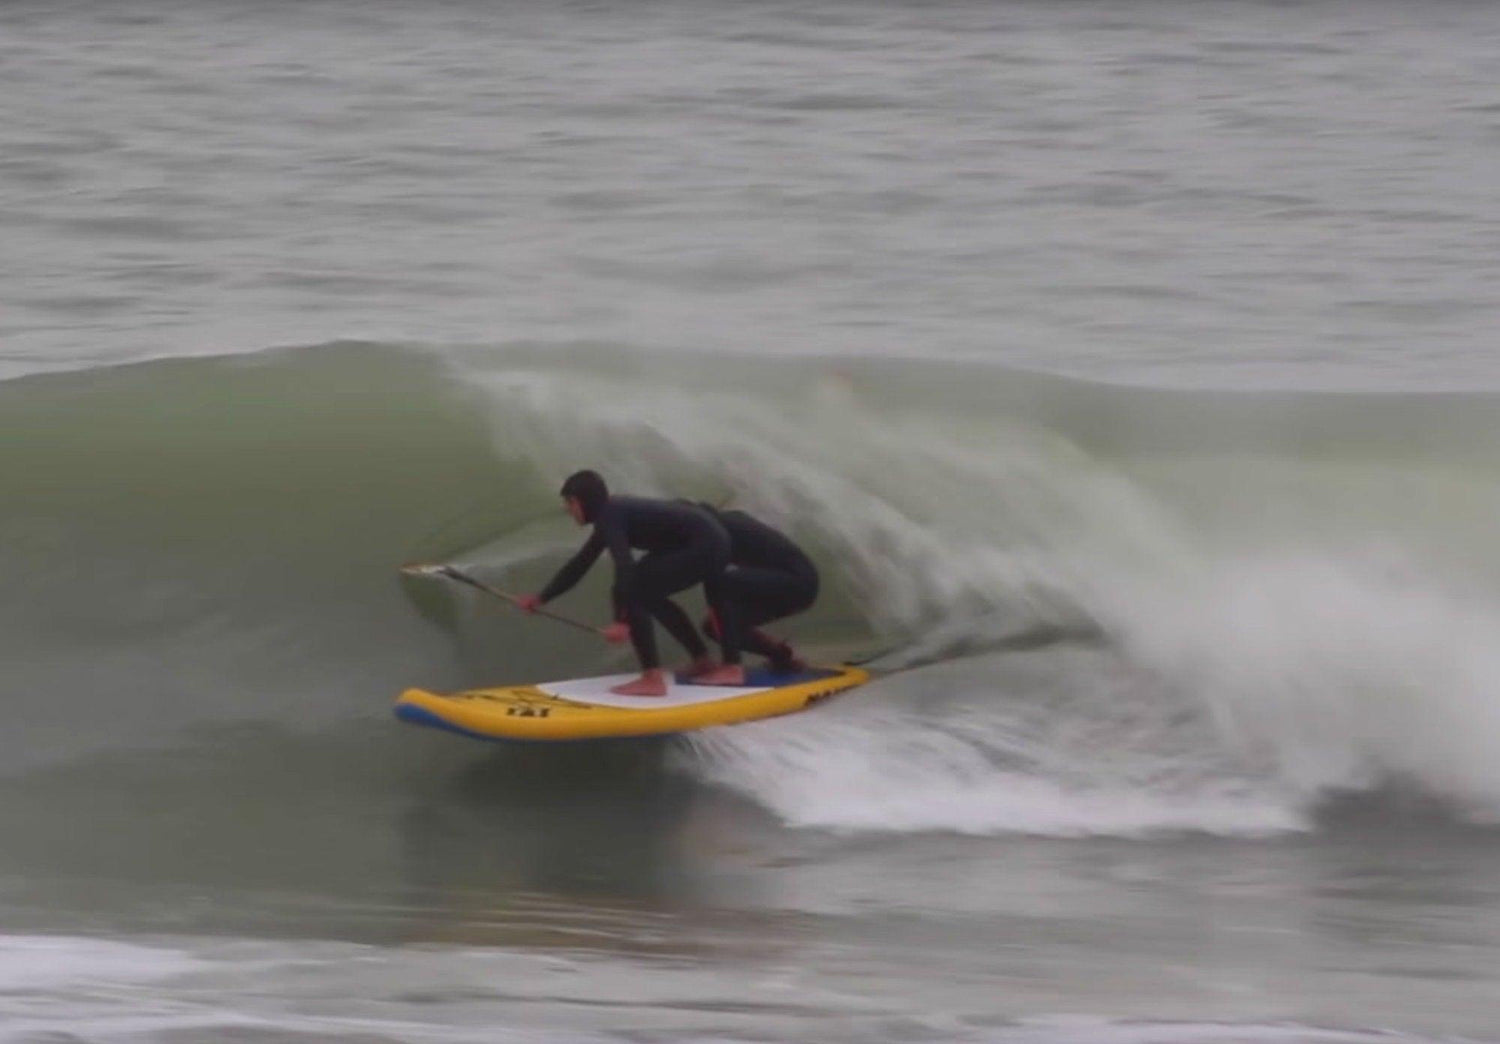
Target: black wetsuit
(684, 545)
(769, 577)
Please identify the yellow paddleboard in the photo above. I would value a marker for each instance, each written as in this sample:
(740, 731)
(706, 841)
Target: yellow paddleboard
(584, 708)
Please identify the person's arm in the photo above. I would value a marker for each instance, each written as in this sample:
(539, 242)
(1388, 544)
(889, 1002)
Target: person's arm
(573, 570)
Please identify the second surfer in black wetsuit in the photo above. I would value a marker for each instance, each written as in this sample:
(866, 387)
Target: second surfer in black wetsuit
(769, 577)
(684, 545)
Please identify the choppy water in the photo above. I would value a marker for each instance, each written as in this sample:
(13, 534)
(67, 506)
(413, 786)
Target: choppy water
(1282, 193)
(1169, 325)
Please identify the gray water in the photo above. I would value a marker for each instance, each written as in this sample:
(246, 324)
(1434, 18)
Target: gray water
(1279, 193)
(1169, 325)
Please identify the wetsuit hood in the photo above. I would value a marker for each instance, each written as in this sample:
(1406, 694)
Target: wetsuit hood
(590, 491)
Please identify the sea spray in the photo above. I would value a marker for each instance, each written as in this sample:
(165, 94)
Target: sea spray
(1232, 564)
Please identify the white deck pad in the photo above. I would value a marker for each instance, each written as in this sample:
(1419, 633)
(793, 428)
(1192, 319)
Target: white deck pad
(596, 690)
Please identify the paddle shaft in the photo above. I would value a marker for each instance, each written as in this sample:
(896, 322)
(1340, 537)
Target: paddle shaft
(478, 585)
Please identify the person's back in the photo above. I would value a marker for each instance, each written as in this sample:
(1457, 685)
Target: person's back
(769, 578)
(650, 524)
(754, 543)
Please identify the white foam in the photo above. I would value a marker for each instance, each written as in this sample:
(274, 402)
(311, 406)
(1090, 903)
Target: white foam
(1069, 1029)
(888, 772)
(104, 990)
(56, 962)
(1338, 673)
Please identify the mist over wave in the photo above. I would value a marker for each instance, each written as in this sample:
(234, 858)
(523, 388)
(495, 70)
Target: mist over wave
(1287, 596)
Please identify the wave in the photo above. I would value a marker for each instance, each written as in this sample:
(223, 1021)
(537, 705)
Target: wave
(67, 987)
(1292, 596)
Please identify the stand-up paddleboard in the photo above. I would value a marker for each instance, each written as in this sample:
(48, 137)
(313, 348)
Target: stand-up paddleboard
(584, 708)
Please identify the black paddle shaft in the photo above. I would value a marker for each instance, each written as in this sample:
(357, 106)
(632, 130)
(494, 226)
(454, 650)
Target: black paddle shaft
(464, 578)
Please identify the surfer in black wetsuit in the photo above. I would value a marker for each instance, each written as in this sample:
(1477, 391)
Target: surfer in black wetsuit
(684, 545)
(769, 577)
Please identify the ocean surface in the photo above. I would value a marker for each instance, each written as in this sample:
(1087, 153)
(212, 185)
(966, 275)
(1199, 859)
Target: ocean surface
(1130, 368)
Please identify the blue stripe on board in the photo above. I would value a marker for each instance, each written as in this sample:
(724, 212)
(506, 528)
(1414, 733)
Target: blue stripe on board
(413, 715)
(765, 678)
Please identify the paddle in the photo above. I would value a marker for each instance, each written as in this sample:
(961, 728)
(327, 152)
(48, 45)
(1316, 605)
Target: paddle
(451, 573)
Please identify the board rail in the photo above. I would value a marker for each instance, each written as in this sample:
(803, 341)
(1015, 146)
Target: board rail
(572, 710)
